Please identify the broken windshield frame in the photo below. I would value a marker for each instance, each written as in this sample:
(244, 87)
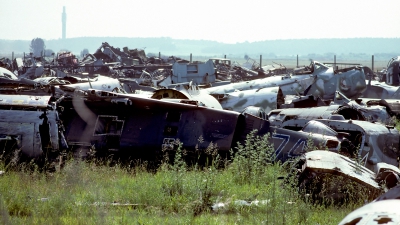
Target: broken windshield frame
(316, 127)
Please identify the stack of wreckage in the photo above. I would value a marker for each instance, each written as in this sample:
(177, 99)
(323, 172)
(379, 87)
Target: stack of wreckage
(127, 104)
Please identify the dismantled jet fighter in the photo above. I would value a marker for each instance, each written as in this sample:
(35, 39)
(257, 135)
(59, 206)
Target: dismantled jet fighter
(330, 140)
(132, 125)
(372, 142)
(389, 87)
(265, 98)
(289, 85)
(144, 126)
(349, 81)
(318, 80)
(315, 108)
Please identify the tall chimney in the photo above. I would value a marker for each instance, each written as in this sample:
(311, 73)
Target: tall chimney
(64, 23)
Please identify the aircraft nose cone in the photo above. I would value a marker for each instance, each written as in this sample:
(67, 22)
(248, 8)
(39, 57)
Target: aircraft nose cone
(343, 85)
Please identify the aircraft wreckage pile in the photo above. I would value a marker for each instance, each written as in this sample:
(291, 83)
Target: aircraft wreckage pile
(131, 105)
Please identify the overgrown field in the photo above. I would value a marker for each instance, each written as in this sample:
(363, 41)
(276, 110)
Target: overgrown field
(247, 189)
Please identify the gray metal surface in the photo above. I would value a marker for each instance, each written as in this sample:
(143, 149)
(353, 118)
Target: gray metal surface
(329, 162)
(25, 100)
(382, 212)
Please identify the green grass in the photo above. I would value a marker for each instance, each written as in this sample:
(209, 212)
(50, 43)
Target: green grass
(83, 193)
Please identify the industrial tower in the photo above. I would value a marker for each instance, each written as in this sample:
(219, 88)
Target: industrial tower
(64, 23)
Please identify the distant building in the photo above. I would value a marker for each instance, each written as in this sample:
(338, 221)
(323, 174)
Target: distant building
(64, 23)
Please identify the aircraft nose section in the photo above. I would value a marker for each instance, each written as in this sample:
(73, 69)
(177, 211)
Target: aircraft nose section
(361, 85)
(343, 85)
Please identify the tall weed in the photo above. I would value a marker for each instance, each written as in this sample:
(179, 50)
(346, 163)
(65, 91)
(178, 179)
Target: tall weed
(251, 160)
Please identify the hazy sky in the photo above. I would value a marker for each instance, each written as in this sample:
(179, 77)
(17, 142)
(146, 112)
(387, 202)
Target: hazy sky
(223, 21)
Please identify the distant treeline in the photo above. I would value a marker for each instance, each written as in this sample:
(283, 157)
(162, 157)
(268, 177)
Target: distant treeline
(380, 47)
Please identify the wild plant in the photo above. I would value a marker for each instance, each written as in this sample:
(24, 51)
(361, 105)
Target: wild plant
(250, 160)
(358, 161)
(206, 175)
(310, 146)
(176, 172)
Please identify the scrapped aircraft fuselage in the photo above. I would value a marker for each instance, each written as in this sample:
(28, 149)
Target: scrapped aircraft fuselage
(147, 126)
(144, 127)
